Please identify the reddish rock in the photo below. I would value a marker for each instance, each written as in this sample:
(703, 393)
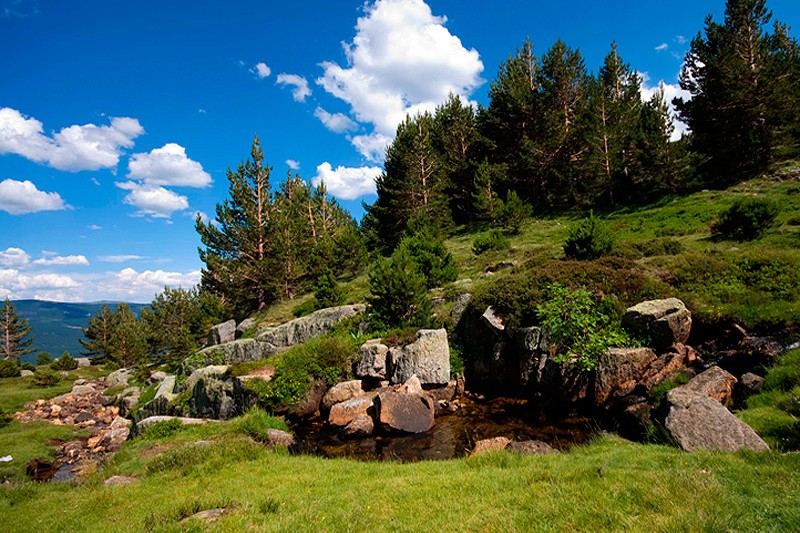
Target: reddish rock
(343, 413)
(665, 322)
(531, 447)
(310, 404)
(619, 371)
(341, 392)
(490, 445)
(662, 368)
(715, 383)
(361, 426)
(403, 409)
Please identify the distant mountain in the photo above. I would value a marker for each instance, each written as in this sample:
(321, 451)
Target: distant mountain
(57, 326)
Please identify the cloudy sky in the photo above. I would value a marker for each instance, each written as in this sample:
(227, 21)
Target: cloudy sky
(118, 120)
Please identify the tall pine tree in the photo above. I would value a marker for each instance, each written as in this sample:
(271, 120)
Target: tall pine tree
(15, 333)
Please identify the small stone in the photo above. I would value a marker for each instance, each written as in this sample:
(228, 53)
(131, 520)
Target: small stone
(490, 445)
(120, 480)
(341, 392)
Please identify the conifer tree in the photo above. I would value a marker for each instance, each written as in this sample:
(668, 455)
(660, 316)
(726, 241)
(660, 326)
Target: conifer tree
(398, 293)
(15, 333)
(97, 342)
(128, 342)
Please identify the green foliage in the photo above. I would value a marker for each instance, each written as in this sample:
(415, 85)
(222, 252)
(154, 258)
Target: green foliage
(43, 359)
(24, 365)
(65, 362)
(46, 377)
(588, 239)
(328, 292)
(659, 392)
(305, 308)
(162, 430)
(15, 333)
(579, 326)
(398, 293)
(512, 213)
(746, 219)
(491, 241)
(426, 248)
(456, 361)
(256, 422)
(9, 368)
(5, 418)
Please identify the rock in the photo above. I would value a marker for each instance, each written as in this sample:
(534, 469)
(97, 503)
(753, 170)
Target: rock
(83, 362)
(563, 383)
(372, 360)
(306, 328)
(403, 409)
(209, 515)
(26, 373)
(265, 374)
(444, 394)
(491, 269)
(661, 369)
(696, 422)
(530, 447)
(665, 322)
(222, 333)
(361, 426)
(494, 322)
(714, 383)
(82, 390)
(751, 383)
(215, 393)
(462, 302)
(186, 421)
(128, 398)
(428, 358)
(342, 414)
(618, 372)
(157, 377)
(119, 378)
(120, 480)
(310, 404)
(276, 437)
(245, 325)
(40, 469)
(166, 389)
(241, 351)
(341, 392)
(490, 445)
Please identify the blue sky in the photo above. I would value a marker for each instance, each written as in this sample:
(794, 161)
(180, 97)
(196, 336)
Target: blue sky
(119, 119)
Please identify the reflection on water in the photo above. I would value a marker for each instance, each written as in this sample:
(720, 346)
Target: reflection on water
(454, 435)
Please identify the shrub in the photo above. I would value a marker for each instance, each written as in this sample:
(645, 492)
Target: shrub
(328, 292)
(255, 423)
(398, 293)
(162, 430)
(746, 219)
(588, 239)
(579, 326)
(304, 308)
(24, 365)
(513, 212)
(493, 240)
(9, 368)
(43, 359)
(65, 362)
(5, 418)
(425, 247)
(46, 377)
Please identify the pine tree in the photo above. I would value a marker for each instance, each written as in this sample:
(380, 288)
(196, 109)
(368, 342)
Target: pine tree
(15, 333)
(293, 231)
(484, 193)
(98, 334)
(743, 83)
(398, 293)
(237, 245)
(425, 246)
(128, 342)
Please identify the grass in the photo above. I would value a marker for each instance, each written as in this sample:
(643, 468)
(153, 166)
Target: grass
(24, 442)
(610, 484)
(16, 392)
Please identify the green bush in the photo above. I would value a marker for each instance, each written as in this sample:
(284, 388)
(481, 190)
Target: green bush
(425, 247)
(43, 359)
(46, 377)
(328, 292)
(162, 430)
(513, 212)
(398, 293)
(5, 418)
(65, 362)
(581, 328)
(493, 240)
(304, 308)
(24, 365)
(588, 239)
(9, 368)
(746, 219)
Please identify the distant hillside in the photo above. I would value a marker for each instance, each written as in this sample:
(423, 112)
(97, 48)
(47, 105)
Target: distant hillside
(57, 326)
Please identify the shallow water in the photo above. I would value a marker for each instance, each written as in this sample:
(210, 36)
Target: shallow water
(454, 435)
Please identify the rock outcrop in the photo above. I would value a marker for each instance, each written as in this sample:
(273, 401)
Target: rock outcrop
(215, 393)
(664, 322)
(619, 370)
(341, 392)
(372, 360)
(427, 358)
(222, 333)
(715, 383)
(306, 328)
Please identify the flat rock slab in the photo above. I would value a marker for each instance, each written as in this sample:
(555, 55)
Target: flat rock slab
(698, 423)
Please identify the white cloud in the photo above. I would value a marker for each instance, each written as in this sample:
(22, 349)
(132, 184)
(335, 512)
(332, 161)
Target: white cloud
(87, 147)
(680, 39)
(20, 197)
(168, 165)
(336, 122)
(119, 258)
(262, 70)
(132, 285)
(292, 164)
(68, 260)
(347, 183)
(662, 47)
(156, 202)
(300, 91)
(403, 60)
(94, 227)
(671, 91)
(14, 257)
(18, 284)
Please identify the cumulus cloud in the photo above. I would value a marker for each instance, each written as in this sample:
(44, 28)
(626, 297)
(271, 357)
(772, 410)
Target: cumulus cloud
(403, 60)
(132, 285)
(14, 257)
(347, 183)
(74, 148)
(292, 164)
(67, 260)
(21, 197)
(671, 91)
(299, 84)
(153, 201)
(262, 70)
(168, 165)
(336, 122)
(119, 258)
(16, 284)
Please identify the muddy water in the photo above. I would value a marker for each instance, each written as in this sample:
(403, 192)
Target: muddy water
(454, 435)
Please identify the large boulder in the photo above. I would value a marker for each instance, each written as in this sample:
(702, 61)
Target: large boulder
(696, 423)
(461, 304)
(664, 322)
(662, 368)
(222, 333)
(715, 383)
(619, 370)
(405, 408)
(215, 393)
(563, 384)
(119, 378)
(341, 392)
(493, 321)
(245, 325)
(141, 425)
(166, 389)
(343, 413)
(241, 351)
(306, 328)
(428, 358)
(372, 360)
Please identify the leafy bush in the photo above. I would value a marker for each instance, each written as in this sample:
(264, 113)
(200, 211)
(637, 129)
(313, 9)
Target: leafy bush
(46, 377)
(746, 219)
(65, 362)
(162, 430)
(43, 359)
(493, 240)
(580, 327)
(513, 212)
(398, 293)
(588, 239)
(9, 368)
(24, 365)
